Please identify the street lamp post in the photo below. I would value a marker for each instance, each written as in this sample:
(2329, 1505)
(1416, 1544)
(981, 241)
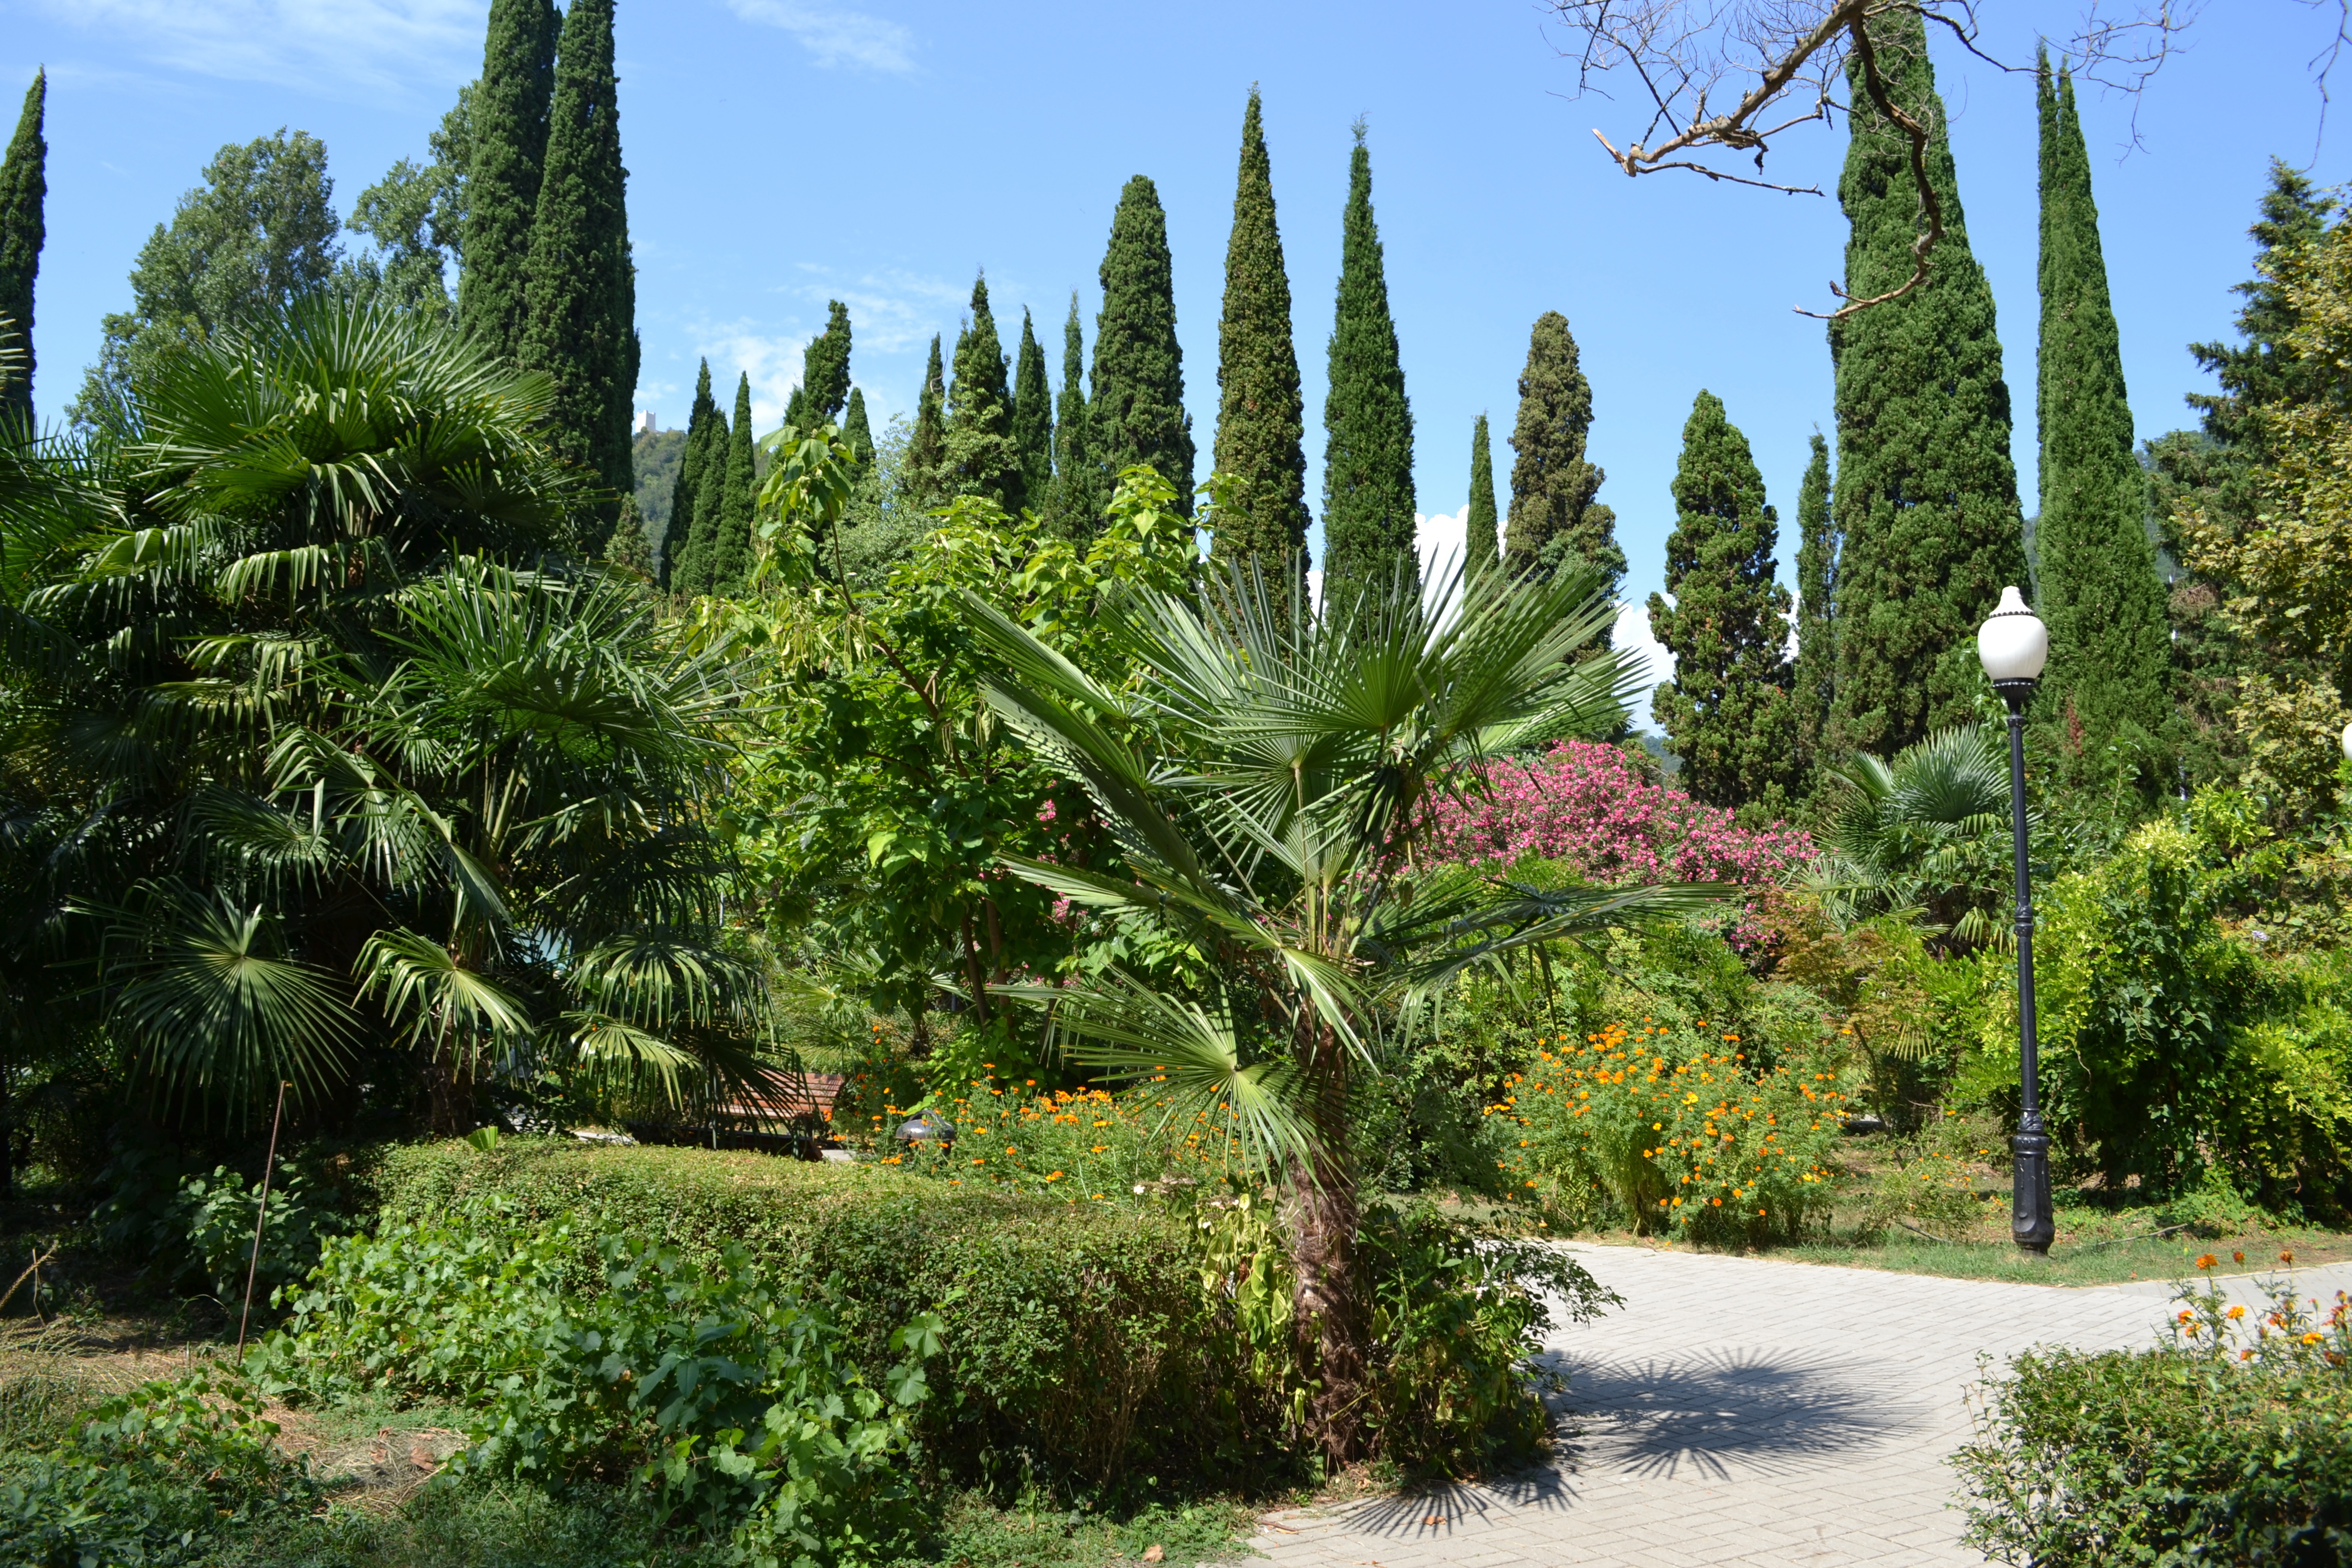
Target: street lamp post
(2013, 646)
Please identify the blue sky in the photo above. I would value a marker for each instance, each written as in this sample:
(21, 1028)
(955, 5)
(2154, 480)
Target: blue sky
(783, 151)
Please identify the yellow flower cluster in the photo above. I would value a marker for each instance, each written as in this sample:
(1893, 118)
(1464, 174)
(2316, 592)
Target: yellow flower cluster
(1086, 1143)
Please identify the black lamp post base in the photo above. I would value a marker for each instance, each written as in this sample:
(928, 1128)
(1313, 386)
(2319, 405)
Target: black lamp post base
(2031, 1222)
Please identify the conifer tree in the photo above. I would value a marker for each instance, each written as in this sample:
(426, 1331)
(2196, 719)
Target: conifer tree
(1727, 712)
(858, 431)
(1817, 554)
(1479, 549)
(2096, 585)
(23, 191)
(1367, 498)
(1260, 421)
(1079, 492)
(1136, 412)
(825, 369)
(683, 546)
(981, 459)
(710, 509)
(626, 552)
(730, 568)
(922, 475)
(582, 294)
(1554, 519)
(504, 171)
(1032, 418)
(1927, 494)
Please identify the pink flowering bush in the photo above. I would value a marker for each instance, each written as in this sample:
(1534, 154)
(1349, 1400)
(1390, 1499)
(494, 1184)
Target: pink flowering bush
(1587, 807)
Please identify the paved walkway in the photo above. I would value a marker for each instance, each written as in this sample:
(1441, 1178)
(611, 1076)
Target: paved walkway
(1740, 1411)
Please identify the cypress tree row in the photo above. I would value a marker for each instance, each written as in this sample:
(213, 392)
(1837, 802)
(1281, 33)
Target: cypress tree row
(857, 431)
(730, 567)
(980, 457)
(922, 474)
(2097, 585)
(1554, 518)
(1817, 554)
(1032, 418)
(687, 543)
(1368, 501)
(582, 293)
(1727, 712)
(1079, 492)
(1927, 494)
(1136, 412)
(1479, 549)
(710, 509)
(23, 191)
(1261, 422)
(504, 171)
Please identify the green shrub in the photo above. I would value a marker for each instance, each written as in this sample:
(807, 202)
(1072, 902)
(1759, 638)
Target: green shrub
(2233, 1443)
(154, 1479)
(1078, 1347)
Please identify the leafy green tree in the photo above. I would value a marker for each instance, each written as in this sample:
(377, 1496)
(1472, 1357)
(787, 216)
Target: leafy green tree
(825, 374)
(731, 564)
(1261, 422)
(24, 193)
(687, 549)
(255, 238)
(1368, 499)
(504, 168)
(1727, 712)
(1136, 412)
(1481, 552)
(2096, 585)
(981, 458)
(416, 215)
(1554, 519)
(1078, 482)
(857, 430)
(1815, 681)
(923, 475)
(1032, 418)
(357, 866)
(2215, 472)
(1927, 494)
(580, 323)
(1292, 870)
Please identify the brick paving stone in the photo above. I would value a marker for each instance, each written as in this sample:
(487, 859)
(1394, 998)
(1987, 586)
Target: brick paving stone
(1744, 1413)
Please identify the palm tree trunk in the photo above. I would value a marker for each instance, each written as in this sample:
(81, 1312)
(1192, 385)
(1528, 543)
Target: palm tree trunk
(1330, 1315)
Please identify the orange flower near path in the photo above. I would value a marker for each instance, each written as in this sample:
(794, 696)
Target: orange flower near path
(2207, 1261)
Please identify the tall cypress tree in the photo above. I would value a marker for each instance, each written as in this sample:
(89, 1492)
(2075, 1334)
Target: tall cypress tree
(1727, 712)
(857, 431)
(2097, 583)
(583, 296)
(817, 401)
(1260, 421)
(1479, 549)
(922, 473)
(981, 459)
(1817, 555)
(1554, 518)
(1135, 414)
(684, 545)
(1927, 494)
(24, 190)
(1079, 488)
(1368, 499)
(1033, 418)
(730, 568)
(504, 170)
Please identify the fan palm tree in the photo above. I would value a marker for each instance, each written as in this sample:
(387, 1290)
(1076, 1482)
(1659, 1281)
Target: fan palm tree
(1927, 832)
(1266, 775)
(315, 742)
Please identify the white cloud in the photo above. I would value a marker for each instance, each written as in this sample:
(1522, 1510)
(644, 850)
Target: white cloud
(1632, 635)
(833, 35)
(376, 45)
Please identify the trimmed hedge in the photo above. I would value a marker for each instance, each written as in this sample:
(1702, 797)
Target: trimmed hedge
(1080, 1346)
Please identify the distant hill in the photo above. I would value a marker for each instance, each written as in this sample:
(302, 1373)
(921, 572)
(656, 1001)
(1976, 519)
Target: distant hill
(659, 454)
